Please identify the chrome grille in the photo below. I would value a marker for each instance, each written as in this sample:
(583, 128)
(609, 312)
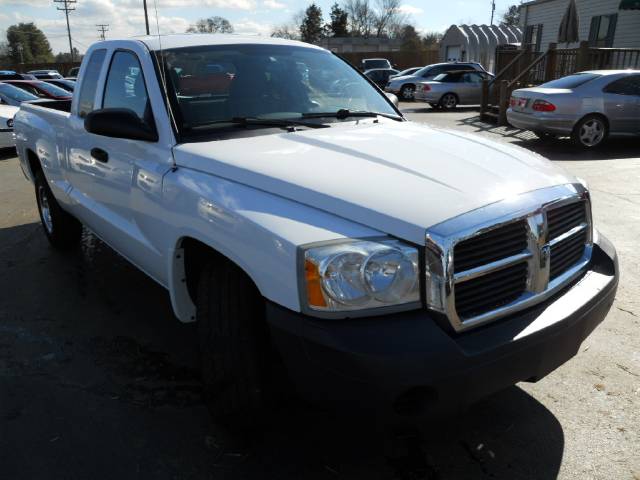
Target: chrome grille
(490, 246)
(491, 291)
(520, 252)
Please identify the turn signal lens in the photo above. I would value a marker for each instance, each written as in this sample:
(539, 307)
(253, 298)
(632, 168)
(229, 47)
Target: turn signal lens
(314, 285)
(543, 106)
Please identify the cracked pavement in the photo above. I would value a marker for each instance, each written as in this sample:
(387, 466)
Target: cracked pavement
(98, 379)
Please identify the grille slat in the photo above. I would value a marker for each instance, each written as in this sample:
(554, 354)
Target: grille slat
(491, 291)
(496, 244)
(569, 251)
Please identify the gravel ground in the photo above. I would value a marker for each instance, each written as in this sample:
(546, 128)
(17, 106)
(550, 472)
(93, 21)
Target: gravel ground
(98, 380)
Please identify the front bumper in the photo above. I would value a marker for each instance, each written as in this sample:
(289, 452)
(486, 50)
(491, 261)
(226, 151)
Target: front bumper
(542, 122)
(407, 365)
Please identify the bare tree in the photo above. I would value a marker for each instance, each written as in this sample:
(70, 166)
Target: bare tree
(290, 30)
(362, 17)
(389, 18)
(211, 25)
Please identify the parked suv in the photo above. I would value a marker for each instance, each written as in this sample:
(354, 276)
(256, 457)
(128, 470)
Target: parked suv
(405, 87)
(374, 63)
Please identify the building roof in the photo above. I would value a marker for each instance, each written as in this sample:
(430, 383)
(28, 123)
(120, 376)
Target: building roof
(154, 42)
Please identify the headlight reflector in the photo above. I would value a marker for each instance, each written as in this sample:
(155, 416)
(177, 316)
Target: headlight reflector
(359, 274)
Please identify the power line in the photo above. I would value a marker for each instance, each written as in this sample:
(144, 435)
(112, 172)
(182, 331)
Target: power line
(66, 8)
(102, 29)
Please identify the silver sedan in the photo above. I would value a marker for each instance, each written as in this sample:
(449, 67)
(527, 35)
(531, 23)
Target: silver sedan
(587, 106)
(448, 90)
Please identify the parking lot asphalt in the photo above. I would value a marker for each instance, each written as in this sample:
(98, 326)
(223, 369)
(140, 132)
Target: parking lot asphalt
(99, 380)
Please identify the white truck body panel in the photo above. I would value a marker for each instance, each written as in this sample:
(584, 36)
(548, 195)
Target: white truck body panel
(256, 200)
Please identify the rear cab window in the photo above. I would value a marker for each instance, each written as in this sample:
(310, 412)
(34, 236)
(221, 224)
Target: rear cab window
(90, 82)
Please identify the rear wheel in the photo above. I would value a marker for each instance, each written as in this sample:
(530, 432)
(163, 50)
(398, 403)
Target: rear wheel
(590, 132)
(407, 92)
(448, 101)
(62, 229)
(234, 345)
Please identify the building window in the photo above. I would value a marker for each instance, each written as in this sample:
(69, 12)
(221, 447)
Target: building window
(533, 36)
(602, 31)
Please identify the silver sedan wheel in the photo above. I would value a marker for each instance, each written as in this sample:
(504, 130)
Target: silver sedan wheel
(45, 209)
(592, 132)
(408, 92)
(449, 101)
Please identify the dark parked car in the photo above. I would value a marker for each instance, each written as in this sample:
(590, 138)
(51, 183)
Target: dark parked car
(380, 76)
(14, 96)
(73, 72)
(63, 83)
(41, 89)
(374, 63)
(45, 74)
(11, 75)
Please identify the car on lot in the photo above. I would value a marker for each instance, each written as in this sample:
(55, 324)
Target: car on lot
(14, 96)
(385, 266)
(371, 63)
(63, 83)
(45, 74)
(450, 89)
(404, 73)
(11, 75)
(587, 106)
(380, 76)
(7, 112)
(41, 89)
(73, 73)
(405, 86)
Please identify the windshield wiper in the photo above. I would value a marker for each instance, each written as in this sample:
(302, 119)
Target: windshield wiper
(343, 114)
(266, 122)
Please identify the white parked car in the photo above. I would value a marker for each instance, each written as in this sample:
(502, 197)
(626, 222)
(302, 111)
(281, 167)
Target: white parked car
(7, 112)
(301, 220)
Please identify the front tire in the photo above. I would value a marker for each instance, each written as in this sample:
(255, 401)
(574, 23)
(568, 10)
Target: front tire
(590, 132)
(62, 229)
(234, 345)
(448, 101)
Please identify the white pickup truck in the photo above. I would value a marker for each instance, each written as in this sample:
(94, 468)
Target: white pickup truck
(290, 209)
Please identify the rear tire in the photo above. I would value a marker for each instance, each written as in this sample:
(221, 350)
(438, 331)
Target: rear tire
(234, 346)
(590, 132)
(448, 101)
(407, 92)
(62, 229)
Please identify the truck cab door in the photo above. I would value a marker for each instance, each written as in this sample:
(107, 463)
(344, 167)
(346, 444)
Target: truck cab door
(118, 181)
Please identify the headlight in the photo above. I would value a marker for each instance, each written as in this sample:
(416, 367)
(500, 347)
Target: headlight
(10, 123)
(359, 275)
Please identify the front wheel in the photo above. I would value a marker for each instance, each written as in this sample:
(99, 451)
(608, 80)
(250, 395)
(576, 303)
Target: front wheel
(449, 101)
(590, 132)
(234, 346)
(62, 229)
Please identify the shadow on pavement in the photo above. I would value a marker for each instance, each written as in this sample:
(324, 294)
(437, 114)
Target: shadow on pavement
(6, 153)
(99, 380)
(558, 149)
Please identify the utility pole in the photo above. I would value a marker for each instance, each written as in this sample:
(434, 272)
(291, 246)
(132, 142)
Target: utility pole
(66, 8)
(102, 29)
(493, 9)
(146, 15)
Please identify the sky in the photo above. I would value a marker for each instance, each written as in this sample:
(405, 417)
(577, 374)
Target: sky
(257, 17)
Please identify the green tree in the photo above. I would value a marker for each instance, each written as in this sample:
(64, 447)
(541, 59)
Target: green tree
(411, 41)
(311, 29)
(28, 44)
(511, 17)
(431, 38)
(65, 57)
(339, 26)
(211, 25)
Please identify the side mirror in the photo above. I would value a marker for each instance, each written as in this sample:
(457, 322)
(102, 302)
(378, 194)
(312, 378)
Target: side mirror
(119, 123)
(393, 99)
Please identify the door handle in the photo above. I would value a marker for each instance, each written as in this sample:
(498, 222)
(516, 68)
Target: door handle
(100, 155)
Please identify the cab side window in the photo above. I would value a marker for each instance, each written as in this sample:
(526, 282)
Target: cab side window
(629, 85)
(90, 82)
(125, 87)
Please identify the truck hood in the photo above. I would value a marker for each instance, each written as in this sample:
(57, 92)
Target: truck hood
(396, 177)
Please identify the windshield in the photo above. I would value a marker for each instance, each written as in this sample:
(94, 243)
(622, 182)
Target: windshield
(16, 94)
(214, 84)
(53, 90)
(572, 81)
